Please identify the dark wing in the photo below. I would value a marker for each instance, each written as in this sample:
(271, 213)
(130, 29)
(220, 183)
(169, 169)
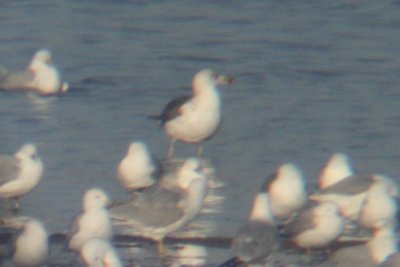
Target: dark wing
(351, 185)
(302, 222)
(172, 109)
(9, 169)
(268, 181)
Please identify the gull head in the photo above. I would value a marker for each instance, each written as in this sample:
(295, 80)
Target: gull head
(138, 149)
(188, 172)
(27, 151)
(207, 78)
(43, 56)
(95, 198)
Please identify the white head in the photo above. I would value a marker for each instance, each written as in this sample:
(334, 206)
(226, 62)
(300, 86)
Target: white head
(188, 172)
(138, 151)
(290, 174)
(261, 209)
(95, 198)
(336, 169)
(206, 78)
(42, 56)
(27, 151)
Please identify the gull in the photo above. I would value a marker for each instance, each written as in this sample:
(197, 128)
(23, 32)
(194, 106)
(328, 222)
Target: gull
(167, 206)
(31, 245)
(20, 173)
(335, 170)
(40, 76)
(286, 190)
(137, 170)
(93, 222)
(350, 193)
(316, 227)
(378, 205)
(194, 119)
(382, 244)
(256, 239)
(98, 252)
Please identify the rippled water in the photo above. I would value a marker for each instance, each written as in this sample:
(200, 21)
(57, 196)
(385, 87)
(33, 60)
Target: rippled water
(314, 78)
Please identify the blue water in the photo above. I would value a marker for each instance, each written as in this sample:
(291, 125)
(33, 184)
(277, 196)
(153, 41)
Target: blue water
(314, 78)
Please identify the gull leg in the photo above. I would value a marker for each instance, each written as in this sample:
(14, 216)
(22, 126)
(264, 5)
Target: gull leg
(160, 247)
(171, 149)
(200, 150)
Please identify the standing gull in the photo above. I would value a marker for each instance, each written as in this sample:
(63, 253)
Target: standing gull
(286, 191)
(40, 76)
(336, 169)
(93, 222)
(137, 170)
(31, 245)
(196, 118)
(20, 173)
(98, 252)
(166, 207)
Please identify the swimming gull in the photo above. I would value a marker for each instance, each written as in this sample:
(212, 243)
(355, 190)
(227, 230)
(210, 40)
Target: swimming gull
(349, 194)
(378, 205)
(382, 244)
(167, 206)
(40, 76)
(20, 173)
(315, 227)
(31, 245)
(93, 222)
(196, 118)
(138, 170)
(286, 190)
(337, 168)
(98, 252)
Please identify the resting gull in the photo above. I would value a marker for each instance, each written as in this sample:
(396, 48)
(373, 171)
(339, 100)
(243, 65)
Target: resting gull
(167, 206)
(93, 222)
(349, 194)
(98, 252)
(196, 118)
(316, 227)
(20, 173)
(382, 244)
(336, 169)
(138, 170)
(40, 76)
(255, 241)
(31, 245)
(286, 191)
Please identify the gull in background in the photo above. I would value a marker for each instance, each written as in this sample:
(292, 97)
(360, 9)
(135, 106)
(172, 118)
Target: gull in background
(138, 170)
(20, 173)
(31, 245)
(196, 118)
(40, 77)
(337, 169)
(93, 222)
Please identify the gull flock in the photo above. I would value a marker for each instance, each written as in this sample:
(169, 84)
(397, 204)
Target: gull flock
(164, 200)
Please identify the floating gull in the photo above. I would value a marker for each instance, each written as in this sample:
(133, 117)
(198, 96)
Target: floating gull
(31, 245)
(93, 222)
(378, 205)
(20, 173)
(382, 244)
(40, 76)
(194, 119)
(336, 169)
(349, 194)
(316, 227)
(286, 190)
(98, 252)
(167, 206)
(256, 240)
(137, 170)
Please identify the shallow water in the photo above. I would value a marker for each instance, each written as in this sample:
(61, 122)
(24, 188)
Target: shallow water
(313, 78)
